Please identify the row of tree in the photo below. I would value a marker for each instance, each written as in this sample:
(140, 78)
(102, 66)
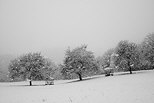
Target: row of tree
(131, 56)
(80, 62)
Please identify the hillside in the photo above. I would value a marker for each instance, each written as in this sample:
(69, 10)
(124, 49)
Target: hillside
(135, 88)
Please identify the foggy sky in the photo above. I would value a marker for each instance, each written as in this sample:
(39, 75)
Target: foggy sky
(51, 26)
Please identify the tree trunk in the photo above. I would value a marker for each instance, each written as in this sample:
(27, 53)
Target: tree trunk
(30, 82)
(130, 70)
(80, 76)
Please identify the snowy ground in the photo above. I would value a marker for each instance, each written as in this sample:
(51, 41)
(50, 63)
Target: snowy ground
(135, 88)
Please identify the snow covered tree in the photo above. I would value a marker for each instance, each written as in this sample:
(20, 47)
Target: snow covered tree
(49, 69)
(31, 66)
(79, 61)
(147, 51)
(104, 61)
(127, 54)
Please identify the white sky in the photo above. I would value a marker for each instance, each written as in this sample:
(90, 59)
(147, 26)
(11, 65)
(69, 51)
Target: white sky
(51, 26)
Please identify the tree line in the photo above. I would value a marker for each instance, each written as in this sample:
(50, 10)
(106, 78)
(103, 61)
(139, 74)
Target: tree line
(79, 62)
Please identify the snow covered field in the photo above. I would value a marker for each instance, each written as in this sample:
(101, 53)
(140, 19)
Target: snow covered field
(135, 88)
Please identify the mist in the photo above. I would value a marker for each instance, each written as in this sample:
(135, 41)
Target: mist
(51, 26)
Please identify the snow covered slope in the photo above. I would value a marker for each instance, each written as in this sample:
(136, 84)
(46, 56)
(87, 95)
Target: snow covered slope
(135, 88)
